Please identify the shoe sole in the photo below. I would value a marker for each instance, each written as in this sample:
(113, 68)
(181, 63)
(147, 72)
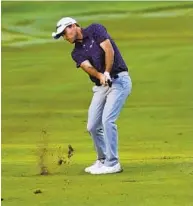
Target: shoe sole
(120, 171)
(87, 171)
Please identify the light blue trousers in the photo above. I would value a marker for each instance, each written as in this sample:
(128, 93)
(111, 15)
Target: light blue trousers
(103, 112)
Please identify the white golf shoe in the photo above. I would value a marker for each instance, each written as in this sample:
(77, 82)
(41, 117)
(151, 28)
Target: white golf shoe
(98, 164)
(106, 170)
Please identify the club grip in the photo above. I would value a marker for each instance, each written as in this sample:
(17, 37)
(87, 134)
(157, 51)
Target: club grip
(109, 82)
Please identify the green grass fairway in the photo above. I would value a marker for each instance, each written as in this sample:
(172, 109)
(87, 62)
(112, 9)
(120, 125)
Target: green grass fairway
(45, 101)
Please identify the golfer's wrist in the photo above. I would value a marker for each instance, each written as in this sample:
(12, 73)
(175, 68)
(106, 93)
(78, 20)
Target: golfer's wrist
(106, 73)
(98, 75)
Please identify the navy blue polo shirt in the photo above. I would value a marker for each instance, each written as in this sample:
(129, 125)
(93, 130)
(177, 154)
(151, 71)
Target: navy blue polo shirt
(89, 49)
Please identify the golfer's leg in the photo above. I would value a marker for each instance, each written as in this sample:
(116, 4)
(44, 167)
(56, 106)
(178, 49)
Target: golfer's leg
(121, 88)
(94, 125)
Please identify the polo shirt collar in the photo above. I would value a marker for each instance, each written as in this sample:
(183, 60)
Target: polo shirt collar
(85, 33)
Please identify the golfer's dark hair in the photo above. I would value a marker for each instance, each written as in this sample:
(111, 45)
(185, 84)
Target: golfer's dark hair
(75, 24)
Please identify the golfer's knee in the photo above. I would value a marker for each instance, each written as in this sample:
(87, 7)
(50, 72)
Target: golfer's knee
(106, 122)
(91, 127)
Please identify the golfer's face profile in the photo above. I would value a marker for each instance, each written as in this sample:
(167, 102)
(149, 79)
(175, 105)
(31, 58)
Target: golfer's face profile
(69, 34)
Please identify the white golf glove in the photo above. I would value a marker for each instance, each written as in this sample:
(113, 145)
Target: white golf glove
(102, 79)
(108, 79)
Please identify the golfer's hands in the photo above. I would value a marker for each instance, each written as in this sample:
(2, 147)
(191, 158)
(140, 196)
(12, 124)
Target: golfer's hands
(105, 79)
(102, 79)
(108, 79)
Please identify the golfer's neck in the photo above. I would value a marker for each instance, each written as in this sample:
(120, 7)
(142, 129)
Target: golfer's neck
(80, 35)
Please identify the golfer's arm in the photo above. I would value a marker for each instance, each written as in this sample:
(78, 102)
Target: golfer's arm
(88, 68)
(109, 54)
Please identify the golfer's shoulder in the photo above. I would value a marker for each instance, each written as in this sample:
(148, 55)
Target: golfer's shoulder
(94, 27)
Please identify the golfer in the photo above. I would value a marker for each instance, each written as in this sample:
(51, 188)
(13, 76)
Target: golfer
(97, 54)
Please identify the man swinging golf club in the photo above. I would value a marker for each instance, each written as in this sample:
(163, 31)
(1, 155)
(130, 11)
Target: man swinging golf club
(97, 54)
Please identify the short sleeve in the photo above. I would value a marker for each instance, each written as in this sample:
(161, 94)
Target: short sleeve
(78, 58)
(100, 33)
